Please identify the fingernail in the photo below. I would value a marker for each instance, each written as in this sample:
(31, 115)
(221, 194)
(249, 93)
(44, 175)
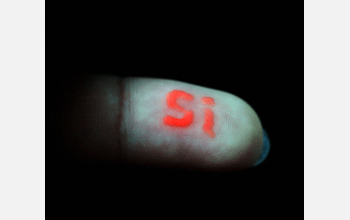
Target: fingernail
(266, 149)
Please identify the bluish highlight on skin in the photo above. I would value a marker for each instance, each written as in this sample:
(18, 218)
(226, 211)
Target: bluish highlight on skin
(266, 149)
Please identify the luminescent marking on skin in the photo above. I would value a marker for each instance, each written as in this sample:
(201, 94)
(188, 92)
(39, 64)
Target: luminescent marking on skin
(208, 101)
(208, 117)
(187, 119)
(171, 99)
(209, 122)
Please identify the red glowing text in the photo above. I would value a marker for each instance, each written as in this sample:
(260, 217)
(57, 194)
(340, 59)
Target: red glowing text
(188, 117)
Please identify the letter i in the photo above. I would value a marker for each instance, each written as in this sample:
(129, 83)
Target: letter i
(208, 117)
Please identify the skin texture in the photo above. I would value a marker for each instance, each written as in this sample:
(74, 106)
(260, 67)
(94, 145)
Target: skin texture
(160, 123)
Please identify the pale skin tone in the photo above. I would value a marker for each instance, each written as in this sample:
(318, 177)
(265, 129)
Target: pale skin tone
(161, 123)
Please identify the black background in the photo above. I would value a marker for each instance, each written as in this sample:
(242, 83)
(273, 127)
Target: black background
(251, 49)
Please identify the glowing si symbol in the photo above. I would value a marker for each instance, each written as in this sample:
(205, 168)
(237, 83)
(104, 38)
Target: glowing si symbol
(187, 119)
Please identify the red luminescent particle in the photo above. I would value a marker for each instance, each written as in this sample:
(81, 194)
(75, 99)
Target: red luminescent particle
(171, 99)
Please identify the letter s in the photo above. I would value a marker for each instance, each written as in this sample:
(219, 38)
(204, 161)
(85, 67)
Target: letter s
(187, 119)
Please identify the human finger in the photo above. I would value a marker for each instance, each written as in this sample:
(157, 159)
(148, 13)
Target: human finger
(162, 123)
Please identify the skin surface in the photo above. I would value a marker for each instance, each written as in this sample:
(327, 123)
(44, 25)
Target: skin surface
(161, 123)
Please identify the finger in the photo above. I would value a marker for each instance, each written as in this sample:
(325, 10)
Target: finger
(167, 123)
